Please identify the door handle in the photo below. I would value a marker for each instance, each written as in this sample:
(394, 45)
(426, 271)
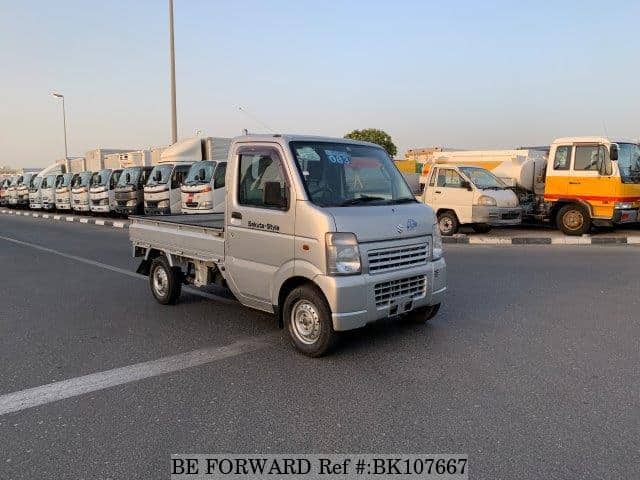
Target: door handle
(237, 215)
(438, 191)
(575, 183)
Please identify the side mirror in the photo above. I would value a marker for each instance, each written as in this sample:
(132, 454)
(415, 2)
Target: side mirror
(466, 184)
(613, 152)
(272, 196)
(605, 168)
(127, 177)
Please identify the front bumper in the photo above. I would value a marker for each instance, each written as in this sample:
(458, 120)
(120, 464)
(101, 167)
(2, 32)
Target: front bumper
(81, 207)
(35, 205)
(100, 208)
(354, 300)
(124, 210)
(192, 211)
(626, 215)
(62, 206)
(496, 216)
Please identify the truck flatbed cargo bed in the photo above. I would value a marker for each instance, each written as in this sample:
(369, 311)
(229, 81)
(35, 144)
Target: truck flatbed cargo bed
(209, 220)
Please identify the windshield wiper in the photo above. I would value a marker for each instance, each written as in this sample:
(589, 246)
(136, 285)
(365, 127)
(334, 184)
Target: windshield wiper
(402, 200)
(362, 199)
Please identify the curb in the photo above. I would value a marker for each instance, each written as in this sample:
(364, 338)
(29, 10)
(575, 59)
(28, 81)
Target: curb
(583, 240)
(122, 224)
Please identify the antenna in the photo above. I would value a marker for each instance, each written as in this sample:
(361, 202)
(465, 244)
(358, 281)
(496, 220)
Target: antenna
(604, 127)
(255, 119)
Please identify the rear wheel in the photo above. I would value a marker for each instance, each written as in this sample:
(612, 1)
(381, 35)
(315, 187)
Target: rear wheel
(481, 227)
(448, 223)
(308, 321)
(573, 219)
(165, 281)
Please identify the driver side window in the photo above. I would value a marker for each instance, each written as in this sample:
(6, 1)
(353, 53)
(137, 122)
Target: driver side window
(449, 178)
(256, 169)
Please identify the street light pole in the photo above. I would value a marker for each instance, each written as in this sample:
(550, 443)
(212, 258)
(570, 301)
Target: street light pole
(64, 123)
(172, 66)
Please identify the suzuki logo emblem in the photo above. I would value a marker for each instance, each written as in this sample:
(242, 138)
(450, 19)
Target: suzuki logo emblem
(399, 228)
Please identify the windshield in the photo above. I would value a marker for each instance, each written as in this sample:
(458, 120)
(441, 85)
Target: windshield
(342, 174)
(200, 172)
(35, 182)
(482, 178)
(629, 162)
(99, 179)
(63, 180)
(164, 173)
(81, 180)
(129, 176)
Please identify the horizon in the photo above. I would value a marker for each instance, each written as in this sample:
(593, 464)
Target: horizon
(461, 76)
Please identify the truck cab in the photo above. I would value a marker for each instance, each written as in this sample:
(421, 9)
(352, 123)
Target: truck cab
(162, 194)
(592, 181)
(80, 184)
(35, 194)
(48, 191)
(323, 232)
(203, 190)
(469, 195)
(19, 190)
(4, 194)
(130, 190)
(102, 193)
(61, 194)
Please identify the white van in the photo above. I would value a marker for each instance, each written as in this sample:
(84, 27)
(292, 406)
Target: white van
(203, 190)
(80, 191)
(162, 191)
(467, 195)
(63, 191)
(102, 192)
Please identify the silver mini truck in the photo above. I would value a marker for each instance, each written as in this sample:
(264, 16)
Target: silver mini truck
(322, 232)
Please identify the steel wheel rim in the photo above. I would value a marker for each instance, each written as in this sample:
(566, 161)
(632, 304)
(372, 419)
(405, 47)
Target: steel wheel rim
(160, 282)
(305, 322)
(445, 224)
(573, 220)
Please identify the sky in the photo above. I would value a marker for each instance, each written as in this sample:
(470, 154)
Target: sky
(460, 74)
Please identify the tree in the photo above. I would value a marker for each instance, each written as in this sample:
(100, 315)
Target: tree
(375, 135)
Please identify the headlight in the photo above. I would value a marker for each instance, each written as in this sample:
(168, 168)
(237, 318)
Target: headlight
(103, 201)
(623, 205)
(486, 201)
(131, 203)
(436, 251)
(343, 254)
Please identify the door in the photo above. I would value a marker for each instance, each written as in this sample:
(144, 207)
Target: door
(260, 234)
(450, 193)
(586, 181)
(429, 188)
(177, 178)
(113, 181)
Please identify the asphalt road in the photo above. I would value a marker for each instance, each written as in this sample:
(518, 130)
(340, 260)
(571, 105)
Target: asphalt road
(531, 367)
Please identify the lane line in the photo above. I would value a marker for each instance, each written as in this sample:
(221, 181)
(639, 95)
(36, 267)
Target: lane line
(193, 291)
(32, 397)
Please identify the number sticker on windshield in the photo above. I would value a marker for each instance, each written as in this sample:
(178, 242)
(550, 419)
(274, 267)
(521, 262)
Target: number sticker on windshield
(336, 156)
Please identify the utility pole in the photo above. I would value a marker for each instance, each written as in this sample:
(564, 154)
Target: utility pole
(64, 124)
(172, 66)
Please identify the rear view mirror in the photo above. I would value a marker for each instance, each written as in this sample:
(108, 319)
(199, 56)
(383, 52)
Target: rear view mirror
(613, 152)
(466, 184)
(273, 195)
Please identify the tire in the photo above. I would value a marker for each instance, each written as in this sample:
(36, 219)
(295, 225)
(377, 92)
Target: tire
(448, 223)
(165, 281)
(573, 219)
(307, 318)
(481, 227)
(423, 314)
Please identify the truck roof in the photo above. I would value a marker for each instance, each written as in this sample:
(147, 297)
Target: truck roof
(593, 139)
(285, 138)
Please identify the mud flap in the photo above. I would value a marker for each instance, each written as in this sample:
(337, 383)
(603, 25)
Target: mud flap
(144, 268)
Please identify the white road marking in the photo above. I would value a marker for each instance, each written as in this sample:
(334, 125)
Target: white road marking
(111, 268)
(99, 222)
(84, 220)
(118, 224)
(32, 397)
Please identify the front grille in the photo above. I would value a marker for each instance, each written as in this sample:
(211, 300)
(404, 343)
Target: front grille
(510, 216)
(383, 260)
(192, 204)
(387, 292)
(152, 204)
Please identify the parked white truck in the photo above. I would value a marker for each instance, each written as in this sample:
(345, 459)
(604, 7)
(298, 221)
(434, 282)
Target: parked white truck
(162, 194)
(35, 194)
(80, 184)
(203, 191)
(63, 200)
(19, 190)
(324, 233)
(130, 190)
(102, 193)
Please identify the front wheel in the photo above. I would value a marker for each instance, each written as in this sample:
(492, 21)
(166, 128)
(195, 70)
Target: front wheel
(308, 321)
(573, 219)
(448, 223)
(165, 281)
